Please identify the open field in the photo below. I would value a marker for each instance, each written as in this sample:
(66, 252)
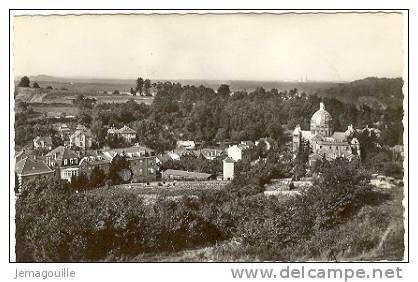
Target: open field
(57, 96)
(66, 109)
(121, 99)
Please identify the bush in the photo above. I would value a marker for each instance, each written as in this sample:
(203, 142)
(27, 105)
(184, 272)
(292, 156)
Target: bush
(394, 169)
(338, 217)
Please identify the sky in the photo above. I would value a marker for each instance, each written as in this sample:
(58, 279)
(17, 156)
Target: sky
(321, 47)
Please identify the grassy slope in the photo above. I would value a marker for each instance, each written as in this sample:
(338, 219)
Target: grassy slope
(380, 226)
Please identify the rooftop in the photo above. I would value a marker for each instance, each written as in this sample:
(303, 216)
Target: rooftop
(28, 166)
(61, 153)
(189, 174)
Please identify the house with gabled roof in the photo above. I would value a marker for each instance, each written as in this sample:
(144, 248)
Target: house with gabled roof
(125, 132)
(64, 161)
(20, 155)
(43, 142)
(242, 151)
(63, 130)
(82, 138)
(28, 169)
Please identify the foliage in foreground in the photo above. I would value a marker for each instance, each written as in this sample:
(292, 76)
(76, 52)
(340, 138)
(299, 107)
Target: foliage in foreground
(339, 215)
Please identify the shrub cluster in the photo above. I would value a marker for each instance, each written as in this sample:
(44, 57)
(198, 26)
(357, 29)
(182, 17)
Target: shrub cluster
(53, 223)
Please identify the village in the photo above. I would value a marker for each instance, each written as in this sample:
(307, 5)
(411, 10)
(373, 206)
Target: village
(76, 157)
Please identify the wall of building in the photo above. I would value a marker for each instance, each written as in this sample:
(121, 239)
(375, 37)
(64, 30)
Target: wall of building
(67, 172)
(228, 170)
(27, 178)
(143, 169)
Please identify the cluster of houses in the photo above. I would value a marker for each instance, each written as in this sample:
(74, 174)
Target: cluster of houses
(244, 151)
(76, 157)
(81, 138)
(64, 163)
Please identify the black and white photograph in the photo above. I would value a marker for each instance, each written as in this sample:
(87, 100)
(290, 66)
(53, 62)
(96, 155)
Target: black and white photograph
(209, 137)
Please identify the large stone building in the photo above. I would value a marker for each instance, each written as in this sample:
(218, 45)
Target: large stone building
(323, 141)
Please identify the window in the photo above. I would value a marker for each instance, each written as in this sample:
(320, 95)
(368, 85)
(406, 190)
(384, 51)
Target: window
(65, 162)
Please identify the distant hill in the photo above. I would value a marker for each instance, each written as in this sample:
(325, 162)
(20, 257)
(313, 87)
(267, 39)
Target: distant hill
(372, 91)
(94, 84)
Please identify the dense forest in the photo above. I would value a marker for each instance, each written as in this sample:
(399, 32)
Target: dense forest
(372, 91)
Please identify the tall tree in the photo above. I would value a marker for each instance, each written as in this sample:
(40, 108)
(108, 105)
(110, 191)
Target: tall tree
(24, 82)
(224, 91)
(139, 85)
(147, 87)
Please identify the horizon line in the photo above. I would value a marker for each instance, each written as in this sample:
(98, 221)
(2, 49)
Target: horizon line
(197, 79)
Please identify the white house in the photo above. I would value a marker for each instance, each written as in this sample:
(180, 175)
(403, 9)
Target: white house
(81, 138)
(186, 144)
(239, 152)
(174, 156)
(43, 142)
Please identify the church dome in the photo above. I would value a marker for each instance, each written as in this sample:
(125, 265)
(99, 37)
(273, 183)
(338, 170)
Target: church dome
(321, 122)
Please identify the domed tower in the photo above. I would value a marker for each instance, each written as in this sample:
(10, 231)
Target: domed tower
(321, 122)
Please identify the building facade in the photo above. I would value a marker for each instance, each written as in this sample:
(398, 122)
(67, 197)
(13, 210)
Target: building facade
(228, 168)
(323, 142)
(241, 152)
(64, 161)
(81, 138)
(43, 143)
(142, 162)
(126, 133)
